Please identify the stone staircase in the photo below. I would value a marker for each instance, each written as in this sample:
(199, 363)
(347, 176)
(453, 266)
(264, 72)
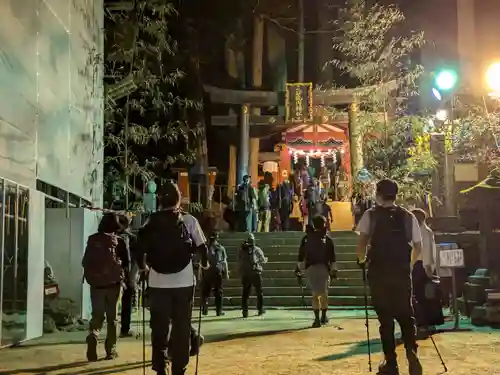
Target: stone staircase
(281, 287)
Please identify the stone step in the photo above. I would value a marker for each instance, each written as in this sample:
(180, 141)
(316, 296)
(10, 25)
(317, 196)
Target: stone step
(290, 266)
(291, 234)
(291, 301)
(292, 257)
(292, 281)
(230, 249)
(295, 290)
(287, 273)
(291, 241)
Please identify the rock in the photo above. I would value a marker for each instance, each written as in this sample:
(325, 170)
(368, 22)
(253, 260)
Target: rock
(49, 325)
(63, 311)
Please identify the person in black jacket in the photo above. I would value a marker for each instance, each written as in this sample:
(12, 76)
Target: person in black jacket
(317, 258)
(127, 241)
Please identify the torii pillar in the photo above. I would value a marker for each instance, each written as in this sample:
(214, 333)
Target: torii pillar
(355, 139)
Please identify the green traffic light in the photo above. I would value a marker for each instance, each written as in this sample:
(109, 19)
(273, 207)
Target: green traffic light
(446, 80)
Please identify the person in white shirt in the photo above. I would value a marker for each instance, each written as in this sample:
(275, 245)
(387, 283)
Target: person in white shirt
(165, 247)
(390, 232)
(428, 311)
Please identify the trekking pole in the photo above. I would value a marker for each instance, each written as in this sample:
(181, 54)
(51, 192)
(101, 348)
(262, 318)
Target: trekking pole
(198, 339)
(143, 293)
(367, 324)
(138, 298)
(437, 351)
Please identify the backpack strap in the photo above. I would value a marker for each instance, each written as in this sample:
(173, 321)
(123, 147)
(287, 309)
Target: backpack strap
(372, 212)
(408, 218)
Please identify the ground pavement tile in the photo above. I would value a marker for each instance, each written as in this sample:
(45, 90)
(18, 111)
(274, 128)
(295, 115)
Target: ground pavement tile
(339, 349)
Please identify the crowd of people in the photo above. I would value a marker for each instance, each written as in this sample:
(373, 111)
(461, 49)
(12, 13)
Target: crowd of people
(268, 209)
(395, 248)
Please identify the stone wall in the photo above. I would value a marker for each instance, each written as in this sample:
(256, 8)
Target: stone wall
(51, 111)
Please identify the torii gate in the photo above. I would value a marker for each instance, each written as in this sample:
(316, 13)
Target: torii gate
(246, 99)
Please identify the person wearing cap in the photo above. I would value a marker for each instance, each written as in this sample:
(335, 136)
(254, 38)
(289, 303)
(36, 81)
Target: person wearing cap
(251, 261)
(245, 203)
(165, 248)
(391, 232)
(214, 276)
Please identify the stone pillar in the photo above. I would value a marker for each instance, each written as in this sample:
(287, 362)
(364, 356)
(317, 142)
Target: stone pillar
(244, 143)
(257, 62)
(253, 168)
(231, 178)
(438, 188)
(355, 140)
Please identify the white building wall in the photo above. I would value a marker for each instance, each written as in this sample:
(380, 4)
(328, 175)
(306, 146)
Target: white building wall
(51, 112)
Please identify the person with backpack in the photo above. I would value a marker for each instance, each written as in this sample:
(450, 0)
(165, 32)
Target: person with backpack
(317, 258)
(104, 267)
(390, 232)
(214, 276)
(251, 260)
(245, 200)
(165, 246)
(264, 207)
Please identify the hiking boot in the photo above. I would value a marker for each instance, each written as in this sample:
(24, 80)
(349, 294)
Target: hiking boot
(388, 368)
(196, 343)
(261, 312)
(204, 311)
(111, 355)
(414, 365)
(316, 323)
(91, 348)
(324, 320)
(220, 313)
(245, 313)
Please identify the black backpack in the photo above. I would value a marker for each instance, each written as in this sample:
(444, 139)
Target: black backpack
(390, 236)
(170, 246)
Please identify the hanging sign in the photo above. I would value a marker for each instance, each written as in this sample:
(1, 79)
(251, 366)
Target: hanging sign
(299, 102)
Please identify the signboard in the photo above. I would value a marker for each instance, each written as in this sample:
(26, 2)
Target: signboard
(451, 258)
(299, 102)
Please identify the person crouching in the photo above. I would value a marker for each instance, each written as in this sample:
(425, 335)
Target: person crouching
(317, 258)
(251, 261)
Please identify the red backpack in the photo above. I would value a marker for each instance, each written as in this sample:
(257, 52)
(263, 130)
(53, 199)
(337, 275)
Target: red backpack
(101, 265)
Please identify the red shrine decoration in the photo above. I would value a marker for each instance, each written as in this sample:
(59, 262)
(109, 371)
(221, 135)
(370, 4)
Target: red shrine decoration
(308, 141)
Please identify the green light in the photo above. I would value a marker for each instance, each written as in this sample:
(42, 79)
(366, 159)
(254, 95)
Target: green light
(446, 80)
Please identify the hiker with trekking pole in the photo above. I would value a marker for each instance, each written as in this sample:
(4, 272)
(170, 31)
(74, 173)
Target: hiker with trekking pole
(389, 244)
(165, 246)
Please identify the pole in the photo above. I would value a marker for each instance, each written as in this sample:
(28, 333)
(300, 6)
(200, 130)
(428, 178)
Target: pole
(301, 42)
(244, 142)
(455, 302)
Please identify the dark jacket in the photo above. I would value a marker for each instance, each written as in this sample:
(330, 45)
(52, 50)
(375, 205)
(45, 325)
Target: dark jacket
(217, 257)
(317, 248)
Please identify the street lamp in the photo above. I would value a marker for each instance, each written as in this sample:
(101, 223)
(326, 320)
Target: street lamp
(492, 78)
(445, 81)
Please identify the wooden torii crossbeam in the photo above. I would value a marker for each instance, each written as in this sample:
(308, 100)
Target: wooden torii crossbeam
(247, 98)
